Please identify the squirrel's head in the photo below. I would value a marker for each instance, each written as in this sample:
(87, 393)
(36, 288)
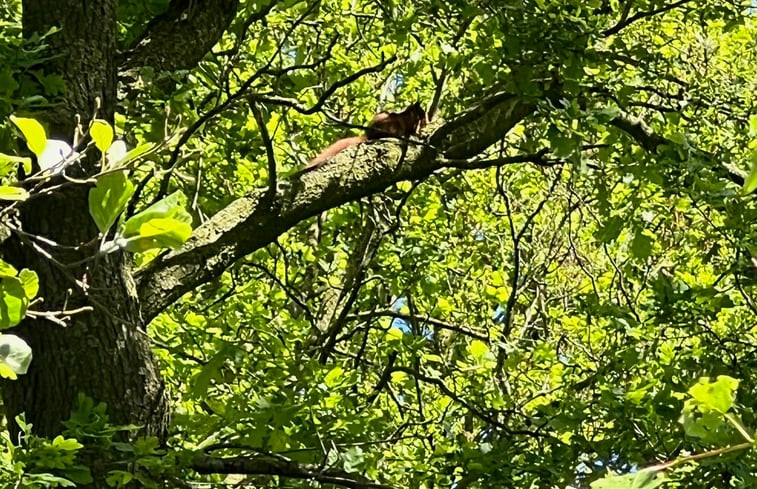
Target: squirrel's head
(417, 110)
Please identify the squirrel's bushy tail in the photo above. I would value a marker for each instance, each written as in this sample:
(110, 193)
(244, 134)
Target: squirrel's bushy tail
(335, 149)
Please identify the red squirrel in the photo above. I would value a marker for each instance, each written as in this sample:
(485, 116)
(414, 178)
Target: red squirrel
(383, 125)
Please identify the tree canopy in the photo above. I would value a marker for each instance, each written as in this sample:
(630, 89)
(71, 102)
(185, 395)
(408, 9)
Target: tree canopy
(552, 285)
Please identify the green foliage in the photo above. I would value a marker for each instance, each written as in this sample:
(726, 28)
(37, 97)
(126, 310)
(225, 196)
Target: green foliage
(165, 224)
(17, 289)
(35, 462)
(639, 480)
(535, 325)
(24, 85)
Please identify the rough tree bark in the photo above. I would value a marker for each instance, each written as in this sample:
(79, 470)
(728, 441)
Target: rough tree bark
(103, 353)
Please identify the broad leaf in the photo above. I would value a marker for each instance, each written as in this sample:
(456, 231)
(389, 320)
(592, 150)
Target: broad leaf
(102, 134)
(108, 199)
(7, 270)
(33, 132)
(119, 157)
(160, 233)
(13, 302)
(168, 207)
(717, 396)
(644, 479)
(30, 283)
(165, 224)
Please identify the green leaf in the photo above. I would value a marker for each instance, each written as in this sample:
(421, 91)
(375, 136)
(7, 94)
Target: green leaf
(641, 246)
(13, 302)
(108, 199)
(708, 426)
(478, 349)
(610, 229)
(717, 396)
(79, 474)
(334, 376)
(69, 444)
(168, 207)
(15, 356)
(118, 478)
(9, 163)
(160, 233)
(165, 224)
(102, 134)
(750, 184)
(608, 113)
(30, 283)
(13, 193)
(133, 154)
(394, 335)
(643, 479)
(7, 270)
(33, 132)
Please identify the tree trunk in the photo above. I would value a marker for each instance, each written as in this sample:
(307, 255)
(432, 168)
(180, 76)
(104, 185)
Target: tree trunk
(104, 353)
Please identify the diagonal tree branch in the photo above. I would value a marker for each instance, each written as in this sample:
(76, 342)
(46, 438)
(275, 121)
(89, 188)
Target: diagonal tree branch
(180, 37)
(252, 222)
(262, 464)
(650, 141)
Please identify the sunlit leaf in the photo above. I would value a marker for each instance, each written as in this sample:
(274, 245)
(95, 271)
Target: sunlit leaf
(108, 198)
(478, 349)
(643, 479)
(102, 134)
(172, 207)
(30, 283)
(33, 132)
(9, 163)
(13, 302)
(7, 270)
(717, 396)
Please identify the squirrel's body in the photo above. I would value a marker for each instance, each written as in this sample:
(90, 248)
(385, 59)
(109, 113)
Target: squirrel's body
(383, 125)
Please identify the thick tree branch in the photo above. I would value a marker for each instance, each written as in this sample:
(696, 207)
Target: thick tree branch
(262, 464)
(252, 222)
(181, 36)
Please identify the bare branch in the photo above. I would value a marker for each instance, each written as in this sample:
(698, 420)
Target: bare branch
(268, 148)
(626, 21)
